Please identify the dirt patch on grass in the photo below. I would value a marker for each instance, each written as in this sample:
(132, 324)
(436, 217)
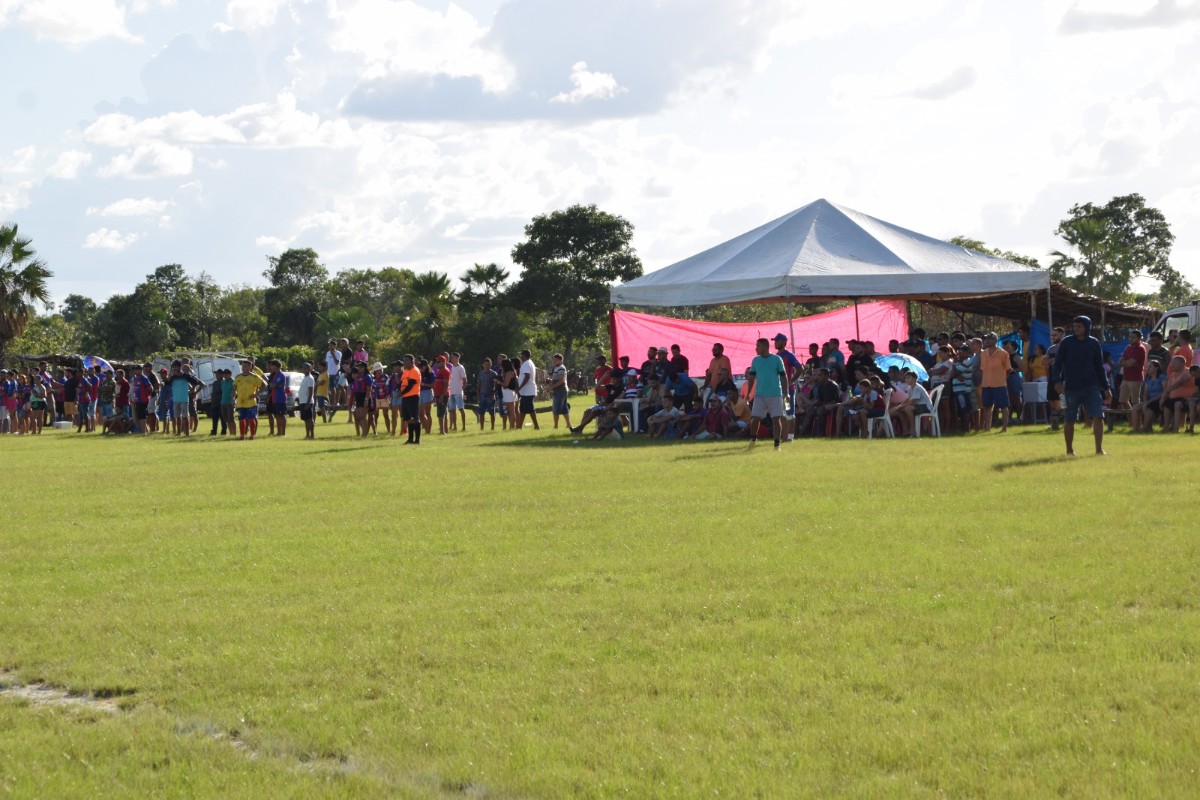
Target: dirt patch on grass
(105, 700)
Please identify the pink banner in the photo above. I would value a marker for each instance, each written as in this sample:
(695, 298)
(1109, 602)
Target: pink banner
(635, 333)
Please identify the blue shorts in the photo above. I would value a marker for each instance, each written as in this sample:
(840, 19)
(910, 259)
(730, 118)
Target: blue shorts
(248, 413)
(426, 396)
(164, 411)
(487, 405)
(1091, 399)
(106, 410)
(88, 409)
(396, 398)
(560, 404)
(995, 396)
(455, 402)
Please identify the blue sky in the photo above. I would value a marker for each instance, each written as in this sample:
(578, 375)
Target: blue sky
(426, 134)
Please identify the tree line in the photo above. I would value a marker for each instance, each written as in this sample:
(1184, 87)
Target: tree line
(568, 258)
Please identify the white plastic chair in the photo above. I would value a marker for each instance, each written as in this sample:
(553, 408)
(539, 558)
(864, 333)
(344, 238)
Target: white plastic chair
(885, 420)
(935, 425)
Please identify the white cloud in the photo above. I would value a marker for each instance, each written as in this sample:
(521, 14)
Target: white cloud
(70, 22)
(271, 242)
(403, 38)
(107, 239)
(248, 15)
(278, 124)
(20, 162)
(130, 207)
(69, 164)
(151, 160)
(589, 86)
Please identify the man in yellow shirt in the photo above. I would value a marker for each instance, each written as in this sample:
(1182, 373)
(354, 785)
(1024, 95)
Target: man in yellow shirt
(322, 390)
(245, 397)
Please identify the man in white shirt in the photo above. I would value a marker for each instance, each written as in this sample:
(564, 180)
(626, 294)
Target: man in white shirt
(557, 384)
(306, 399)
(455, 388)
(526, 390)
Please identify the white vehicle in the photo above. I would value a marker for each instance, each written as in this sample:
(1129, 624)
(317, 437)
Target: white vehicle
(204, 365)
(1179, 318)
(293, 393)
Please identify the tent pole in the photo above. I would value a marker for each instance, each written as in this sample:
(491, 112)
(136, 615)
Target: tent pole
(1032, 308)
(1049, 311)
(791, 328)
(857, 333)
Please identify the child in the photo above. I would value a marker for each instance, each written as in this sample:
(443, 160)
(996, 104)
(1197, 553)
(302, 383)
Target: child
(609, 426)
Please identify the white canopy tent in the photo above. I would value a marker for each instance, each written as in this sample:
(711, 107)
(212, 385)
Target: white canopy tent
(825, 251)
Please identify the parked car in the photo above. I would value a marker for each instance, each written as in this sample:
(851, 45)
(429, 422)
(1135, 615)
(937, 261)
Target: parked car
(293, 393)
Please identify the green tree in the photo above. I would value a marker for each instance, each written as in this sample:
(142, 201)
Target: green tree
(382, 293)
(78, 309)
(297, 292)
(1112, 245)
(570, 258)
(483, 288)
(23, 279)
(433, 309)
(135, 325)
(241, 323)
(352, 323)
(52, 333)
(184, 311)
(978, 246)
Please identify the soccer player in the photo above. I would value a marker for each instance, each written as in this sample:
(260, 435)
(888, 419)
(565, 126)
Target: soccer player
(245, 392)
(768, 375)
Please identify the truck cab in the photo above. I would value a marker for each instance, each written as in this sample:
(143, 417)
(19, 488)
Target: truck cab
(1179, 318)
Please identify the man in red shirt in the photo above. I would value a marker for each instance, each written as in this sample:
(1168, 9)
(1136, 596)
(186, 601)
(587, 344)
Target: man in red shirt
(441, 386)
(122, 394)
(1133, 370)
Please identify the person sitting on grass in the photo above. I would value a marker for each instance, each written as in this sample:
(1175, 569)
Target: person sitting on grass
(661, 425)
(714, 421)
(609, 426)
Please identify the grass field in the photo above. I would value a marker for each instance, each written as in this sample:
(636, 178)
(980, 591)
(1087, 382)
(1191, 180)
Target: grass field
(514, 615)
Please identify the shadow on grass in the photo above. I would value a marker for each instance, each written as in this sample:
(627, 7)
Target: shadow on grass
(1027, 462)
(584, 441)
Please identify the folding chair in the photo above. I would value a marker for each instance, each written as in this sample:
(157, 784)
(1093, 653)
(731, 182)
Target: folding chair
(885, 420)
(935, 426)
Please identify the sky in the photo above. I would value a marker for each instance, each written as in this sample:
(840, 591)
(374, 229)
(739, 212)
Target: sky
(426, 135)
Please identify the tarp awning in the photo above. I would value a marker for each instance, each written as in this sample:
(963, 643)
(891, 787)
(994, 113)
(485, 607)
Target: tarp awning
(1065, 302)
(824, 251)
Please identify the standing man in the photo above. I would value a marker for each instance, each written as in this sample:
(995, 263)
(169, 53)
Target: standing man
(456, 388)
(557, 384)
(485, 389)
(994, 363)
(277, 386)
(410, 398)
(792, 365)
(768, 377)
(718, 369)
(679, 361)
(527, 390)
(333, 373)
(1053, 397)
(1080, 379)
(441, 397)
(307, 400)
(1133, 369)
(245, 392)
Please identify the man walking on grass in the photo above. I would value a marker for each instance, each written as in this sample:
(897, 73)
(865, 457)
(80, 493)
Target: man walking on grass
(768, 378)
(1080, 378)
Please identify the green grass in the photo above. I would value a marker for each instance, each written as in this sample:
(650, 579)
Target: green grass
(514, 615)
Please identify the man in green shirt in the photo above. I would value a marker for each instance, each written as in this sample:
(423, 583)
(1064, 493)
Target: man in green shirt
(768, 379)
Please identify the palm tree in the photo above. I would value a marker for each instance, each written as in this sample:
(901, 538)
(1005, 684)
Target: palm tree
(433, 306)
(483, 283)
(22, 283)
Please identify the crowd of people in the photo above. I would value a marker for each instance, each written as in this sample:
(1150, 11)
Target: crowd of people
(968, 383)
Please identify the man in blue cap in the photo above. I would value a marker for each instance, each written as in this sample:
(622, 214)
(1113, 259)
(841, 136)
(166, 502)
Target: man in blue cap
(1080, 378)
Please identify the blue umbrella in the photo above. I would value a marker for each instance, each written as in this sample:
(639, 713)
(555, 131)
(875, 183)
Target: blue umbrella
(97, 361)
(903, 361)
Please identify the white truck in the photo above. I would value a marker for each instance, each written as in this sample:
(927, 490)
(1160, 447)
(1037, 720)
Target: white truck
(1179, 318)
